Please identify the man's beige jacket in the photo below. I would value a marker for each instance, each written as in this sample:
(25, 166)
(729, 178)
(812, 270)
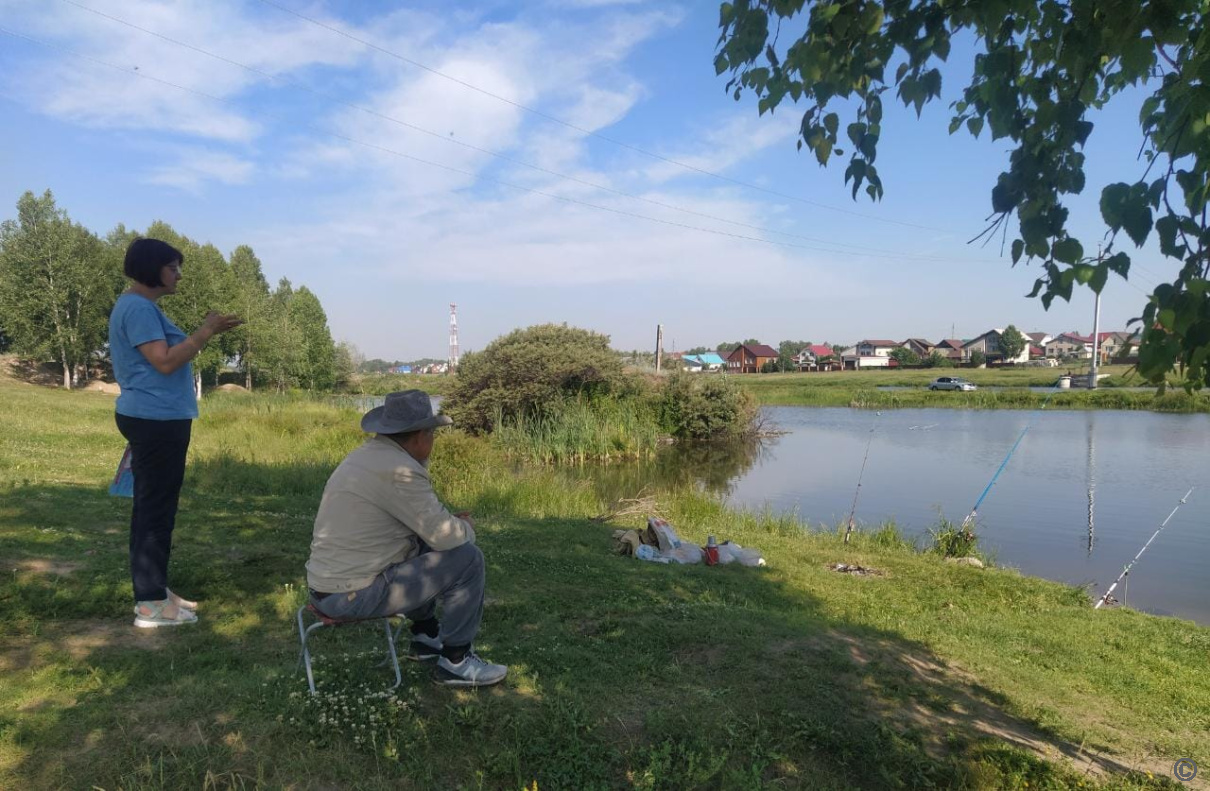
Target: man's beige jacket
(377, 507)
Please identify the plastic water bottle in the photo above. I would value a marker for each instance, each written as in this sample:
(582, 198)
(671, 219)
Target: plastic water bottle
(648, 552)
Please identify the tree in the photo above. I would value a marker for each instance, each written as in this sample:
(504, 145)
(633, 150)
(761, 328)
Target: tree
(1012, 343)
(700, 350)
(344, 364)
(937, 360)
(978, 358)
(250, 299)
(527, 370)
(318, 350)
(1040, 68)
(905, 356)
(786, 350)
(56, 286)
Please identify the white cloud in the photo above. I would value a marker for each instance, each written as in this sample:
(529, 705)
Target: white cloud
(194, 167)
(88, 92)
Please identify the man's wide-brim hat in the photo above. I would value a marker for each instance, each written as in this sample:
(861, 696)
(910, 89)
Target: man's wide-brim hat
(409, 410)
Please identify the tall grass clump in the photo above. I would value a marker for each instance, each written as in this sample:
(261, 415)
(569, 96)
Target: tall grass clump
(581, 429)
(953, 541)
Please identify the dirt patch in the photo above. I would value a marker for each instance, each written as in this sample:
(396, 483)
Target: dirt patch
(231, 388)
(75, 639)
(108, 388)
(55, 568)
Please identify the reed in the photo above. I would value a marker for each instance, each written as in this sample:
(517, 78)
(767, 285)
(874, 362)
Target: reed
(578, 430)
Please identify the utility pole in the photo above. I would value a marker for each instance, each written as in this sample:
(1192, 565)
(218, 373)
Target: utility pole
(659, 347)
(452, 362)
(1096, 331)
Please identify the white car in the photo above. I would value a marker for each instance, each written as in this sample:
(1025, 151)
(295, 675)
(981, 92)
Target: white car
(952, 383)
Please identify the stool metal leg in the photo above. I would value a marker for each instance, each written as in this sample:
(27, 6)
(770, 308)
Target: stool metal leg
(391, 653)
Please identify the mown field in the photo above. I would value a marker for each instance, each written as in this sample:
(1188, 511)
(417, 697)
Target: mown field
(624, 674)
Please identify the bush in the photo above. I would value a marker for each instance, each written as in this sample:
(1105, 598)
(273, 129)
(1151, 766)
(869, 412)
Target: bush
(523, 373)
(693, 406)
(978, 358)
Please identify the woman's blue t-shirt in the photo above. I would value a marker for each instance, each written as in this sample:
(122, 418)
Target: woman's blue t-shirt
(147, 393)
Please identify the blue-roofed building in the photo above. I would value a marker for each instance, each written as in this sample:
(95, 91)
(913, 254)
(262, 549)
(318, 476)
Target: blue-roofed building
(709, 361)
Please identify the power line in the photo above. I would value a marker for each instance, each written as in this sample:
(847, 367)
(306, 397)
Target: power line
(489, 152)
(574, 201)
(585, 131)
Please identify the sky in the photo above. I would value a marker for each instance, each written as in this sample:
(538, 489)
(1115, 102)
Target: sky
(568, 161)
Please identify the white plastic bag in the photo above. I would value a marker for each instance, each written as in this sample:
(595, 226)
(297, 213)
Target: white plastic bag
(729, 552)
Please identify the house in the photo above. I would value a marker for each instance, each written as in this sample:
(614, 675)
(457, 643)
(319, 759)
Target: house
(710, 361)
(950, 348)
(989, 344)
(750, 359)
(401, 369)
(1070, 344)
(919, 347)
(1037, 343)
(816, 357)
(1111, 344)
(875, 348)
(869, 354)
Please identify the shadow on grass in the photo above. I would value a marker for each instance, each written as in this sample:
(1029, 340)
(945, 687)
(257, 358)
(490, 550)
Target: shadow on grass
(624, 674)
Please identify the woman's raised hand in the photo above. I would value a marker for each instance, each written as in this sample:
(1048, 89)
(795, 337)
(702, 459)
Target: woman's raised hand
(219, 323)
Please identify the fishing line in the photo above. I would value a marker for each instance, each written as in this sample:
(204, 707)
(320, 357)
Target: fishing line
(974, 511)
(1130, 565)
(849, 530)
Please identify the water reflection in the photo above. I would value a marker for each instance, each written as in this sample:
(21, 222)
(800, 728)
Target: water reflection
(707, 466)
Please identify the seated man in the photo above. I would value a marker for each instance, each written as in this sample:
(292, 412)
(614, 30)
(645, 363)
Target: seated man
(384, 545)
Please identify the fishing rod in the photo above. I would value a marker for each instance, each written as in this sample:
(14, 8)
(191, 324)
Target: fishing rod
(849, 530)
(1130, 565)
(974, 510)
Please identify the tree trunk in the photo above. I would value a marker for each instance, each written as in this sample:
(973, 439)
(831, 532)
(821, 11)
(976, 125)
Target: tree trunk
(66, 369)
(248, 376)
(197, 386)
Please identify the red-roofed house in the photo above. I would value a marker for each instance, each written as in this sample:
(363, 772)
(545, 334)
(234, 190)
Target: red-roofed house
(817, 357)
(750, 359)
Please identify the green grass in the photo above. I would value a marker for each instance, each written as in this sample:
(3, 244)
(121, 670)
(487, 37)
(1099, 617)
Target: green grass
(623, 674)
(859, 389)
(577, 430)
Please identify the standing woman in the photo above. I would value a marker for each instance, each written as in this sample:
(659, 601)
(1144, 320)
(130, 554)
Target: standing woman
(155, 414)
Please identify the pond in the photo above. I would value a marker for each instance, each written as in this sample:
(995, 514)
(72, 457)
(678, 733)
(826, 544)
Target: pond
(1076, 502)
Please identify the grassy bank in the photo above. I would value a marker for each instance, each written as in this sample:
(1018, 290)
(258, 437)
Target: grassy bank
(860, 389)
(624, 674)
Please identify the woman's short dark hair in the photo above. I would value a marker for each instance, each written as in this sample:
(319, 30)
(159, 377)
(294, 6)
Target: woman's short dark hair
(146, 258)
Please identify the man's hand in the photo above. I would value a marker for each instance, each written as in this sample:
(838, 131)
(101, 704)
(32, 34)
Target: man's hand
(466, 517)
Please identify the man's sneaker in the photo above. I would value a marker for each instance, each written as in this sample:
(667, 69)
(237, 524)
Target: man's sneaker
(424, 648)
(472, 671)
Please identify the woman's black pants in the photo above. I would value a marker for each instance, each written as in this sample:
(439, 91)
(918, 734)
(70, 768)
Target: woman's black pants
(157, 459)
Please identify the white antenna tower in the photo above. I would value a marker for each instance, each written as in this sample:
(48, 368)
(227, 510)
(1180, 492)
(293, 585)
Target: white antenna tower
(453, 360)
